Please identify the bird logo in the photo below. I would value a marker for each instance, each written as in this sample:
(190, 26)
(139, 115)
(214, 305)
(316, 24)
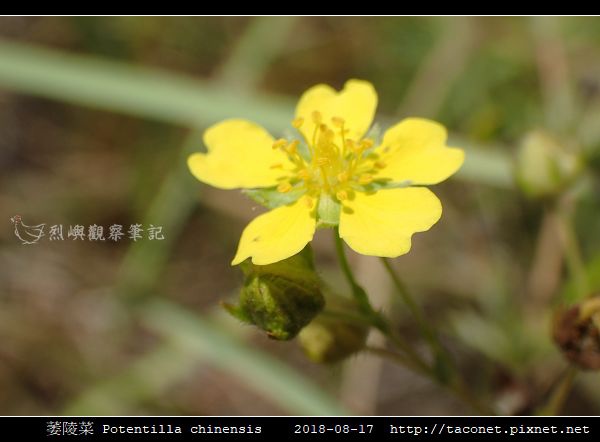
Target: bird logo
(27, 234)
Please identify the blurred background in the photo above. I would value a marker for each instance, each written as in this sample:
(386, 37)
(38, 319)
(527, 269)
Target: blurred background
(98, 115)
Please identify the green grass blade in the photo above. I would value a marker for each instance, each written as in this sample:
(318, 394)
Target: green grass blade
(135, 90)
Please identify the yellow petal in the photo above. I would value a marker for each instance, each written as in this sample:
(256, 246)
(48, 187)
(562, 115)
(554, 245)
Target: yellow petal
(355, 104)
(276, 235)
(415, 150)
(381, 224)
(240, 154)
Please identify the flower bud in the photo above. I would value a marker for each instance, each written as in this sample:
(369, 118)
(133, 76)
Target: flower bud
(280, 298)
(577, 333)
(332, 337)
(544, 166)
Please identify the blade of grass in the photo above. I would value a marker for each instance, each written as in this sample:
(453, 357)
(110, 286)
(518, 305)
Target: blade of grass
(145, 379)
(491, 167)
(142, 265)
(135, 90)
(553, 70)
(440, 68)
(263, 40)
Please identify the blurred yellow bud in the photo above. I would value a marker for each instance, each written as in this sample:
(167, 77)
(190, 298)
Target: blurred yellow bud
(331, 337)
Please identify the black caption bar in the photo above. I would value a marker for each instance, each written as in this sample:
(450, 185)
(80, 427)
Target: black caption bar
(300, 428)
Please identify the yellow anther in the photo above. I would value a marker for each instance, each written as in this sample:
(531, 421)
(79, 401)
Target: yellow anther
(322, 161)
(366, 143)
(303, 174)
(379, 164)
(284, 187)
(350, 144)
(280, 143)
(342, 195)
(277, 166)
(337, 121)
(343, 177)
(365, 179)
(292, 148)
(308, 202)
(297, 122)
(317, 117)
(327, 135)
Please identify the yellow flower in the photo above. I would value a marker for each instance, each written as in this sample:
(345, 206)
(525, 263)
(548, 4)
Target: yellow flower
(332, 175)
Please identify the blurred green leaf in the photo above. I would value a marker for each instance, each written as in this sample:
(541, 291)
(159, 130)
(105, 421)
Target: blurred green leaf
(263, 40)
(136, 90)
(491, 167)
(271, 198)
(145, 379)
(510, 339)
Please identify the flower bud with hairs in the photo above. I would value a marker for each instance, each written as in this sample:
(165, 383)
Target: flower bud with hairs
(280, 298)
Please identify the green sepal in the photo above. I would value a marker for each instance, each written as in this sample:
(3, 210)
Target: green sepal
(271, 198)
(280, 298)
(236, 312)
(328, 211)
(384, 183)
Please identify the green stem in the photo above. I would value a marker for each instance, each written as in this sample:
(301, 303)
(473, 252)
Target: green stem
(442, 356)
(458, 387)
(375, 318)
(411, 304)
(357, 319)
(410, 358)
(416, 360)
(358, 292)
(560, 394)
(463, 392)
(396, 357)
(573, 255)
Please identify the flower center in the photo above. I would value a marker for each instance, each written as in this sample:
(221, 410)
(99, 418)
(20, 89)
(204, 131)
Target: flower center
(333, 163)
